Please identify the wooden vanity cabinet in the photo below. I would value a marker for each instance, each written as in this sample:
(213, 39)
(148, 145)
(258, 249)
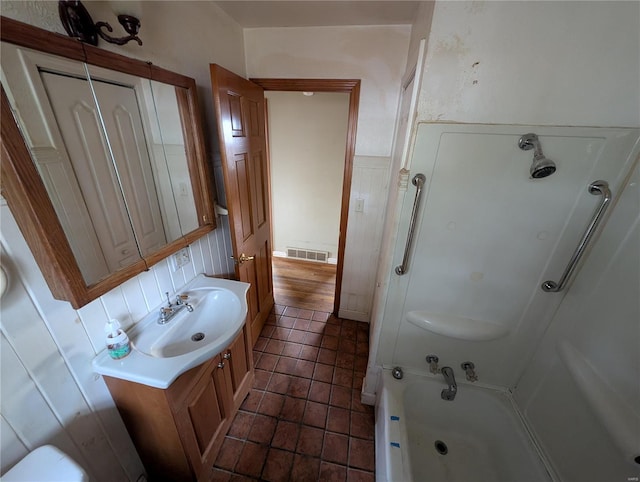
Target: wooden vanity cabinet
(178, 431)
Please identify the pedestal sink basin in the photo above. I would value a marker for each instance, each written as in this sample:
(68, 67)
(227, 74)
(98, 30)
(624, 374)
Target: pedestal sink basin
(162, 352)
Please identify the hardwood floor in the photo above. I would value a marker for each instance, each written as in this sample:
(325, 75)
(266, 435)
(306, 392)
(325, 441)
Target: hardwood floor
(304, 284)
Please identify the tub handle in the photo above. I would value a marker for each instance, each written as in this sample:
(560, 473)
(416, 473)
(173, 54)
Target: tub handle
(596, 188)
(418, 181)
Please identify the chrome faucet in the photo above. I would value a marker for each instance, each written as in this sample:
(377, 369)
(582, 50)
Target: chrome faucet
(449, 393)
(169, 311)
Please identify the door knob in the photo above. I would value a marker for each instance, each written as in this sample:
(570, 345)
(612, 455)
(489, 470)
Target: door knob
(243, 258)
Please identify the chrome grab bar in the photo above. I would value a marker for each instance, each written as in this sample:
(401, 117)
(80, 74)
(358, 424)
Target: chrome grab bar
(418, 181)
(596, 188)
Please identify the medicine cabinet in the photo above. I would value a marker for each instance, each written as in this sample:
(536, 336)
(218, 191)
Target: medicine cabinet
(103, 161)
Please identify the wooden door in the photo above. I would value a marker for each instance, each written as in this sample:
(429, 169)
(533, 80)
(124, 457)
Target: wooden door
(239, 107)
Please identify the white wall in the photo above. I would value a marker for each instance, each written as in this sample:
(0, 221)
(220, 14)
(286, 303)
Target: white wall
(548, 63)
(376, 55)
(49, 392)
(307, 166)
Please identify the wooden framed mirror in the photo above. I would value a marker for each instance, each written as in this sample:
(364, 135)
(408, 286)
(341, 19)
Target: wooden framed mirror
(103, 162)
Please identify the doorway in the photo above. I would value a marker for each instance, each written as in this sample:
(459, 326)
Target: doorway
(311, 276)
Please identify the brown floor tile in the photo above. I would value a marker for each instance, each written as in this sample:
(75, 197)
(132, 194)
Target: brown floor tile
(261, 379)
(251, 459)
(306, 314)
(335, 448)
(320, 316)
(293, 409)
(316, 326)
(340, 397)
(313, 339)
(271, 404)
(252, 402)
(274, 347)
(280, 333)
(302, 324)
(267, 331)
(292, 349)
(267, 362)
(310, 441)
(304, 368)
(241, 425)
(343, 377)
(309, 352)
(279, 383)
(362, 425)
(323, 373)
(297, 336)
(361, 454)
(327, 356)
(305, 468)
(261, 342)
(262, 429)
(278, 466)
(286, 435)
(332, 472)
(309, 368)
(332, 330)
(299, 387)
(354, 475)
(286, 365)
(338, 420)
(315, 414)
(286, 321)
(319, 392)
(291, 311)
(345, 360)
(229, 453)
(329, 342)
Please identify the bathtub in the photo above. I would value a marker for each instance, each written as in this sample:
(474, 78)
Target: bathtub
(477, 437)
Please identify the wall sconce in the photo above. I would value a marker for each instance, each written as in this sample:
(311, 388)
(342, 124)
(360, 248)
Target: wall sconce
(78, 23)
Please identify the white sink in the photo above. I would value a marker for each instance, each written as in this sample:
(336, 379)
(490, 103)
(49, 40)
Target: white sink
(160, 353)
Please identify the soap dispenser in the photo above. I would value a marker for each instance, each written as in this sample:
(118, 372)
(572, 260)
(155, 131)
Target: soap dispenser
(117, 340)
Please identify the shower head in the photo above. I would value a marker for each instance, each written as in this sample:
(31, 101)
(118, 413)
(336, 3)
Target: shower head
(541, 166)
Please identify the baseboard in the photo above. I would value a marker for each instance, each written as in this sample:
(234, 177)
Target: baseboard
(354, 315)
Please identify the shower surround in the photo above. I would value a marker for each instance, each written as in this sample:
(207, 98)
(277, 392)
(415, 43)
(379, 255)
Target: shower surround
(487, 236)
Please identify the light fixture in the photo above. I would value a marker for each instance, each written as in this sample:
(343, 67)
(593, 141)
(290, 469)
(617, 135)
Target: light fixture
(78, 24)
(308, 94)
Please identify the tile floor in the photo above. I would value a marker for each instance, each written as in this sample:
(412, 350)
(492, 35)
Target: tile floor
(303, 420)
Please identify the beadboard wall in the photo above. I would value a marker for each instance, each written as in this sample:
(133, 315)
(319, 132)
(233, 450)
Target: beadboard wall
(49, 393)
(369, 187)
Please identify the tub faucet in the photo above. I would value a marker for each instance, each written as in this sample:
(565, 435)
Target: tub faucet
(449, 393)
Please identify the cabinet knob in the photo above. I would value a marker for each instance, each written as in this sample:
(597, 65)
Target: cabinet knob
(221, 364)
(227, 355)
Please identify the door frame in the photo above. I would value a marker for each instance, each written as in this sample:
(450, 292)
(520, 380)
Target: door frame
(351, 87)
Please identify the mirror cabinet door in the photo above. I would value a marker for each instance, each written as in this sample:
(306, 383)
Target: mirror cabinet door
(104, 167)
(53, 103)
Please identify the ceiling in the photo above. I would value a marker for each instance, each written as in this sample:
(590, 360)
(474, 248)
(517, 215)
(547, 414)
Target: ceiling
(253, 14)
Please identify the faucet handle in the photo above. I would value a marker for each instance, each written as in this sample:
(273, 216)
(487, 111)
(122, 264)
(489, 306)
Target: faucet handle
(432, 360)
(469, 369)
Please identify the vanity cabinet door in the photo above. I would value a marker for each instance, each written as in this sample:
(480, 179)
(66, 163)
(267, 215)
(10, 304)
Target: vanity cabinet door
(201, 419)
(240, 360)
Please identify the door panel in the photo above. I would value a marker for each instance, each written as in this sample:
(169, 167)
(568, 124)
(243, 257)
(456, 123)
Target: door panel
(239, 107)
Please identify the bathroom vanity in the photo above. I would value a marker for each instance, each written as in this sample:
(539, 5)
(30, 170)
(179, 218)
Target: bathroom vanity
(178, 431)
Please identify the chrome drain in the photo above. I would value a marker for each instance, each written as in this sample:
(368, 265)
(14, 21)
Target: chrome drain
(198, 337)
(441, 447)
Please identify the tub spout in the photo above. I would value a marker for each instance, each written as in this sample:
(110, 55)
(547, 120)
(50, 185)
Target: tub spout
(449, 393)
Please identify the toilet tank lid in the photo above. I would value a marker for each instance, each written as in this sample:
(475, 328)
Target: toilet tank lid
(46, 464)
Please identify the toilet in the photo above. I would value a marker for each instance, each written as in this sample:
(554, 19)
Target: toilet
(46, 464)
